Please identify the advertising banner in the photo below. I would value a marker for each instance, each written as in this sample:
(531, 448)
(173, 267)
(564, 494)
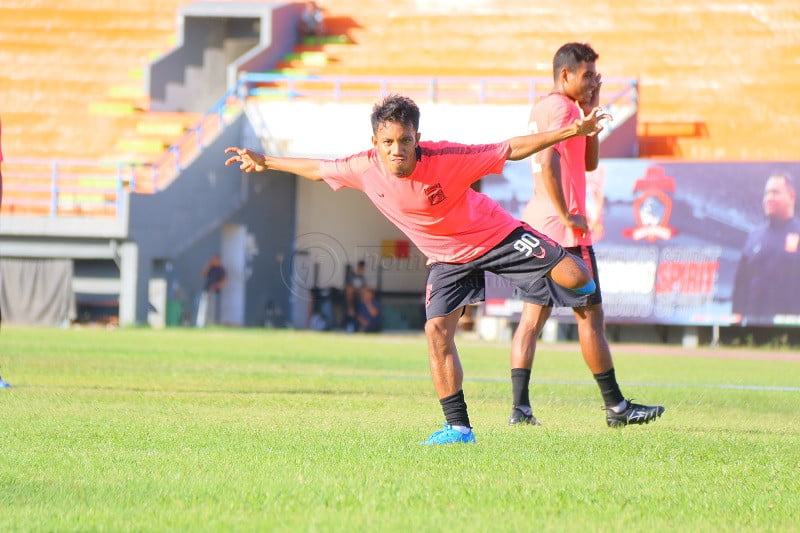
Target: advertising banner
(681, 243)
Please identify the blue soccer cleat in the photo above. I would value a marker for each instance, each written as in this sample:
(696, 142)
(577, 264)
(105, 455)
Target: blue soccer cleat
(4, 384)
(448, 435)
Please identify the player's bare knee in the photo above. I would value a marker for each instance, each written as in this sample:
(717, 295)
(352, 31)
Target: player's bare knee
(533, 317)
(571, 274)
(436, 329)
(584, 275)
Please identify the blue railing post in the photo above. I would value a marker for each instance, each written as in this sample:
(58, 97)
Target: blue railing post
(532, 92)
(242, 88)
(120, 189)
(132, 180)
(176, 152)
(54, 190)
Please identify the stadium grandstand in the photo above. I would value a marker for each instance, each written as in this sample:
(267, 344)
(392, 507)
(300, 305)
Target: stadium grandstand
(115, 114)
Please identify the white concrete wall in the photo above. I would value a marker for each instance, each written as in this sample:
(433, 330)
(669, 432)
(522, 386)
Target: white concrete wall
(337, 129)
(340, 228)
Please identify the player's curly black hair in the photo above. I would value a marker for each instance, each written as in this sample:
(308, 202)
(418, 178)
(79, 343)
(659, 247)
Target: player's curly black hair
(395, 108)
(571, 55)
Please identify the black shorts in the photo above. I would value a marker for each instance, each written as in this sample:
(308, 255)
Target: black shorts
(546, 293)
(523, 258)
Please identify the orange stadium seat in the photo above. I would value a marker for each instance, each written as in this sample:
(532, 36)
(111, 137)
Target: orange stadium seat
(715, 81)
(87, 51)
(717, 68)
(75, 91)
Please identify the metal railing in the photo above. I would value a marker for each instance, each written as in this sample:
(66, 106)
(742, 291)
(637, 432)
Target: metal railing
(158, 175)
(72, 187)
(444, 89)
(40, 187)
(67, 187)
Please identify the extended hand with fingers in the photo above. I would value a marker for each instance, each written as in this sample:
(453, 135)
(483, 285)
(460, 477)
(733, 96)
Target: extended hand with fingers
(249, 161)
(590, 124)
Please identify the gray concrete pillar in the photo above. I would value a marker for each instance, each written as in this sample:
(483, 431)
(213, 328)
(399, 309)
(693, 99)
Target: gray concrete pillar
(128, 277)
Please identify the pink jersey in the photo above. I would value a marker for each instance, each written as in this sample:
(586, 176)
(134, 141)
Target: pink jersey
(434, 206)
(552, 112)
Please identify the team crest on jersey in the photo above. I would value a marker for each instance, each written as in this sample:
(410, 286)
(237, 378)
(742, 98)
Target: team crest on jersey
(435, 194)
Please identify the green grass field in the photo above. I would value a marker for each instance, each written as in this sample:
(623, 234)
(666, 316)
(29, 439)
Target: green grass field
(254, 430)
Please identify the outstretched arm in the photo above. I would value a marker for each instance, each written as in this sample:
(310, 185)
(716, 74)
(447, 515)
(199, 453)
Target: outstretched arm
(526, 145)
(250, 161)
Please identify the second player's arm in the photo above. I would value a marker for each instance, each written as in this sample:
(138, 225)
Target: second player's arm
(250, 161)
(550, 163)
(592, 156)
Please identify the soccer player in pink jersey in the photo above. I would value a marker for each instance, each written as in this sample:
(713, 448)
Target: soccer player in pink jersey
(558, 208)
(424, 189)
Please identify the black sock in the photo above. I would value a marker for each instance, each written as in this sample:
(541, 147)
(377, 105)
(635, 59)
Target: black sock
(609, 388)
(520, 378)
(455, 409)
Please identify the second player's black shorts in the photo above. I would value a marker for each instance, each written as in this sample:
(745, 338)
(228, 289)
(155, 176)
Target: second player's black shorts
(549, 294)
(523, 258)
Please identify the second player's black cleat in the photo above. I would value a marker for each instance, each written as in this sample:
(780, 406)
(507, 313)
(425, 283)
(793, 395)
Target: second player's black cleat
(634, 414)
(518, 416)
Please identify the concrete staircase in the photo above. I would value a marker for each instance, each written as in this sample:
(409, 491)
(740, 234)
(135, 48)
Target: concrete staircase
(204, 84)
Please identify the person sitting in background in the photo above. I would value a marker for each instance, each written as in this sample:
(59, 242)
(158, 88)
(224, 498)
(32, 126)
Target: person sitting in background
(312, 22)
(356, 281)
(215, 279)
(369, 311)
